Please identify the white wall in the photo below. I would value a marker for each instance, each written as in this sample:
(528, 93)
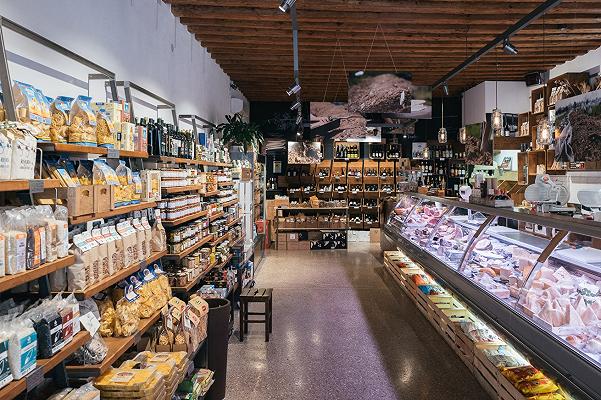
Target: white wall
(139, 40)
(585, 62)
(513, 98)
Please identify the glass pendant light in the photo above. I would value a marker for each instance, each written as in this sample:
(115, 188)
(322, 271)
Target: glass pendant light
(426, 152)
(463, 135)
(442, 132)
(544, 133)
(497, 115)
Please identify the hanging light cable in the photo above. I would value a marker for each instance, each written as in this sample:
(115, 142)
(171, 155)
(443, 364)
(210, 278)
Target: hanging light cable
(543, 136)
(463, 129)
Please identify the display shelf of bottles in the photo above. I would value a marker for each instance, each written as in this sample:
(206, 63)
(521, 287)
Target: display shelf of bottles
(112, 213)
(23, 184)
(11, 281)
(347, 151)
(376, 151)
(193, 282)
(192, 248)
(393, 151)
(219, 239)
(117, 346)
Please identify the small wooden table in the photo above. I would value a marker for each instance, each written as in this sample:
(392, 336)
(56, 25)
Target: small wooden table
(255, 295)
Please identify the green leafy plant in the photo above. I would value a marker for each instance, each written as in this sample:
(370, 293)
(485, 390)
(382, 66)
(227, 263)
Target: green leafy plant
(238, 132)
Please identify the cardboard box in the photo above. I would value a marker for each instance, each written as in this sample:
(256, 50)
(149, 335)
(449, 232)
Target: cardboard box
(374, 235)
(103, 198)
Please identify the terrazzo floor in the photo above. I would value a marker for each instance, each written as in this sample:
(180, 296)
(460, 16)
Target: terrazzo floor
(342, 330)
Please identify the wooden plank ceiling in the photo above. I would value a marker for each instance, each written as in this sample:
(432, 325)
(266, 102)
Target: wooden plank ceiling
(252, 40)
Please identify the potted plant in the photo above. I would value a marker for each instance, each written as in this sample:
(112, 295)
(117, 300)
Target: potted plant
(238, 132)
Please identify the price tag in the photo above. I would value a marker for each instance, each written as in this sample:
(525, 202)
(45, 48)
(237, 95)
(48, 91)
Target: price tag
(90, 323)
(36, 186)
(34, 378)
(112, 153)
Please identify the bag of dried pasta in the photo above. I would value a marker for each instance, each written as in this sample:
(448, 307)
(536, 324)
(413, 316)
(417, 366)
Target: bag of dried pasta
(59, 124)
(124, 193)
(82, 129)
(127, 318)
(107, 317)
(105, 131)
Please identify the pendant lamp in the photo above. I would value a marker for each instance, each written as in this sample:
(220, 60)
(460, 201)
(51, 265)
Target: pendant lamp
(463, 135)
(442, 132)
(497, 115)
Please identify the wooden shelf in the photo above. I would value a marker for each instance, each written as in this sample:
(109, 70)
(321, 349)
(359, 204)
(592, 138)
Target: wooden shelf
(193, 282)
(79, 149)
(193, 162)
(234, 222)
(179, 189)
(224, 263)
(191, 248)
(133, 154)
(23, 184)
(311, 229)
(211, 194)
(219, 239)
(226, 183)
(15, 388)
(116, 348)
(510, 143)
(117, 211)
(187, 218)
(230, 203)
(237, 241)
(117, 277)
(215, 216)
(10, 281)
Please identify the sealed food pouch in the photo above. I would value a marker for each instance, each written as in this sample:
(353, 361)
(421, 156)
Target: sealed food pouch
(16, 242)
(118, 257)
(62, 231)
(59, 125)
(27, 103)
(84, 172)
(127, 314)
(79, 275)
(105, 131)
(6, 144)
(94, 256)
(95, 350)
(82, 129)
(159, 238)
(23, 155)
(5, 375)
(137, 188)
(103, 254)
(123, 192)
(22, 347)
(107, 316)
(43, 135)
(129, 243)
(109, 240)
(148, 234)
(51, 232)
(140, 239)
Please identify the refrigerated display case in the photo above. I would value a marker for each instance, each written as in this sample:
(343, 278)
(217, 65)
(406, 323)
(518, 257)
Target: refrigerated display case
(536, 277)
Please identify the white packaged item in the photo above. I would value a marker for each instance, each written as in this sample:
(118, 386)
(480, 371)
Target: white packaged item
(51, 232)
(5, 154)
(103, 254)
(130, 244)
(72, 301)
(80, 275)
(22, 347)
(119, 254)
(62, 231)
(24, 147)
(148, 233)
(141, 240)
(16, 243)
(5, 375)
(109, 240)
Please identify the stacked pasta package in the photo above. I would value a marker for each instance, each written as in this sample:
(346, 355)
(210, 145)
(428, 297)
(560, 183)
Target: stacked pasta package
(147, 376)
(86, 392)
(138, 297)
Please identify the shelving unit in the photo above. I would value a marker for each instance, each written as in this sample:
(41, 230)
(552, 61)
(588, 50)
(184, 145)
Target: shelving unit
(116, 348)
(191, 249)
(185, 219)
(117, 211)
(19, 185)
(117, 277)
(44, 366)
(180, 189)
(8, 282)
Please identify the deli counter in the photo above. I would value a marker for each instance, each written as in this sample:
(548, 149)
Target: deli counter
(536, 277)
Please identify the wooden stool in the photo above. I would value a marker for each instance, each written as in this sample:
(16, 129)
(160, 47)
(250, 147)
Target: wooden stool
(255, 295)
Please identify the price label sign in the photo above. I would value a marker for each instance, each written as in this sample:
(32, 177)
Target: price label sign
(35, 378)
(36, 186)
(112, 153)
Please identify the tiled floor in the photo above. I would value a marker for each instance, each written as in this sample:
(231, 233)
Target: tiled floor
(342, 331)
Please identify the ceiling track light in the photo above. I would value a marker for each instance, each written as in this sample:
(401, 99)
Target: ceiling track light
(286, 4)
(299, 119)
(295, 106)
(445, 88)
(294, 89)
(509, 48)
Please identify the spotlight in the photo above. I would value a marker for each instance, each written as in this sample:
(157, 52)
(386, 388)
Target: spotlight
(286, 4)
(445, 89)
(299, 132)
(508, 48)
(296, 106)
(359, 73)
(294, 89)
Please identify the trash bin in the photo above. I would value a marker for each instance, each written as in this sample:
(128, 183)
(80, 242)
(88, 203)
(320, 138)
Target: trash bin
(218, 337)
